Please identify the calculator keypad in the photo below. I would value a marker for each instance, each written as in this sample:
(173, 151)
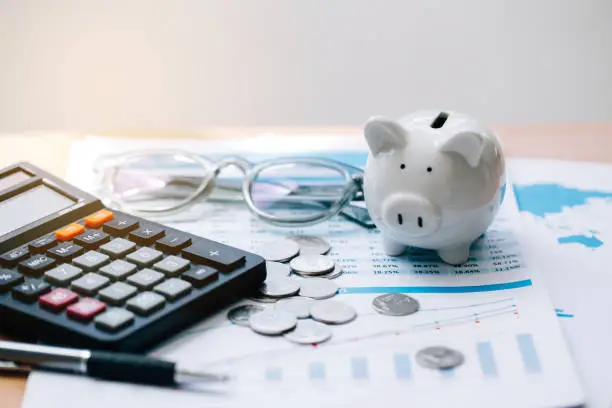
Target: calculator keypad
(116, 268)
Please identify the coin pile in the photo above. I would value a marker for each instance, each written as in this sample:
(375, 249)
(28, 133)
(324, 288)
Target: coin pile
(298, 283)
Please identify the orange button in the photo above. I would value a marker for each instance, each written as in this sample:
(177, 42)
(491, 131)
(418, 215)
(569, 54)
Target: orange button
(99, 218)
(69, 232)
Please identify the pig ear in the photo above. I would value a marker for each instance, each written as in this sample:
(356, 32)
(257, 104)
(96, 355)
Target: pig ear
(469, 145)
(384, 135)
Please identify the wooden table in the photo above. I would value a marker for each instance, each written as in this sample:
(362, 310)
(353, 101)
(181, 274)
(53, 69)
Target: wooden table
(50, 151)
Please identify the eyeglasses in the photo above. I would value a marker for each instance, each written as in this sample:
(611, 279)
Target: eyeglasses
(286, 192)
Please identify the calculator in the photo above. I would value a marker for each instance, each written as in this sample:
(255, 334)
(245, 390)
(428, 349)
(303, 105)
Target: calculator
(76, 273)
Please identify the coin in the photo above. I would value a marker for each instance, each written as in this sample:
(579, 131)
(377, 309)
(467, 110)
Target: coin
(333, 312)
(309, 332)
(261, 298)
(272, 321)
(395, 304)
(439, 357)
(277, 269)
(278, 286)
(280, 250)
(318, 288)
(312, 264)
(299, 306)
(337, 271)
(240, 314)
(309, 244)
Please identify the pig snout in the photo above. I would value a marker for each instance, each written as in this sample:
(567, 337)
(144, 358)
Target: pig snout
(411, 214)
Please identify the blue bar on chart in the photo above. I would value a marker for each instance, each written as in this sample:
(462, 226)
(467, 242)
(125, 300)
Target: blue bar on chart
(274, 374)
(403, 369)
(316, 371)
(529, 354)
(486, 359)
(359, 368)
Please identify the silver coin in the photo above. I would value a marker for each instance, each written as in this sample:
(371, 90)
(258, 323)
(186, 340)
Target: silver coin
(333, 312)
(277, 269)
(299, 306)
(280, 250)
(240, 314)
(312, 264)
(272, 321)
(309, 332)
(309, 244)
(278, 286)
(439, 357)
(337, 271)
(318, 288)
(261, 298)
(395, 304)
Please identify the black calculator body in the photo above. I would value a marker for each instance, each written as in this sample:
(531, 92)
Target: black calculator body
(74, 273)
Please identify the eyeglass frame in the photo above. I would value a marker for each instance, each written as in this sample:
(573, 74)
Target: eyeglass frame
(353, 190)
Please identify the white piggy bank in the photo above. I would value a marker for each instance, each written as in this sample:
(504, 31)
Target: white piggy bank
(433, 180)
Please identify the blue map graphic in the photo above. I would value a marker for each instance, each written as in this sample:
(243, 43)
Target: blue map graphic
(544, 199)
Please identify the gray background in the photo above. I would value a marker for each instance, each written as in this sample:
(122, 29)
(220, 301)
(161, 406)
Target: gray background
(187, 64)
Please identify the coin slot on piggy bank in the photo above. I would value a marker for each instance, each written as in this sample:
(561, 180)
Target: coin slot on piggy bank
(433, 180)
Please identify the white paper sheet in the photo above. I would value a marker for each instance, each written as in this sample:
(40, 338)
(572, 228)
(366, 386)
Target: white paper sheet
(495, 310)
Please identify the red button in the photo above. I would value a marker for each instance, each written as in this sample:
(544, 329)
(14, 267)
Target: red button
(85, 309)
(57, 299)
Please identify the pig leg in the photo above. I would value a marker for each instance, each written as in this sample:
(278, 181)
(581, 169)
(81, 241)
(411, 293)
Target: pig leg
(392, 248)
(455, 255)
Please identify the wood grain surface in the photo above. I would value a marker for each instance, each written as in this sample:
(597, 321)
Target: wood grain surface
(51, 150)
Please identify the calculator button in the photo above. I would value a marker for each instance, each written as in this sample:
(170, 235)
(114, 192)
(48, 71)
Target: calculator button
(8, 279)
(43, 243)
(91, 260)
(69, 232)
(63, 274)
(218, 256)
(118, 269)
(65, 251)
(173, 243)
(173, 288)
(89, 284)
(146, 235)
(30, 290)
(91, 239)
(145, 256)
(97, 219)
(146, 278)
(199, 276)
(118, 247)
(85, 309)
(120, 225)
(145, 303)
(114, 319)
(57, 299)
(172, 265)
(12, 257)
(36, 265)
(117, 293)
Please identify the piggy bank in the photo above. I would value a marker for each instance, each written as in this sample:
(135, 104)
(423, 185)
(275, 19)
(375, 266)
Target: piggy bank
(433, 180)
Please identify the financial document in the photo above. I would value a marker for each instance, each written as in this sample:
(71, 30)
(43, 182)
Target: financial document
(494, 309)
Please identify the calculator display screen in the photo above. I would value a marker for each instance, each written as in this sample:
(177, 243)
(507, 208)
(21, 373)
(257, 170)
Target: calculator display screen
(29, 206)
(12, 179)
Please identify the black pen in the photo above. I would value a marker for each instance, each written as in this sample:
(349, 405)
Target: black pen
(105, 365)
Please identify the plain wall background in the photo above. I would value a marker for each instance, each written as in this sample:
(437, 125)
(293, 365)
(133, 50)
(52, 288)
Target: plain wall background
(182, 64)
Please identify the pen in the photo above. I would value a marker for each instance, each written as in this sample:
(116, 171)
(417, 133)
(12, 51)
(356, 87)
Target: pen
(124, 367)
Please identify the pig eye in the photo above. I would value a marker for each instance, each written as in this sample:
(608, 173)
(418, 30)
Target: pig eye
(429, 169)
(402, 166)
